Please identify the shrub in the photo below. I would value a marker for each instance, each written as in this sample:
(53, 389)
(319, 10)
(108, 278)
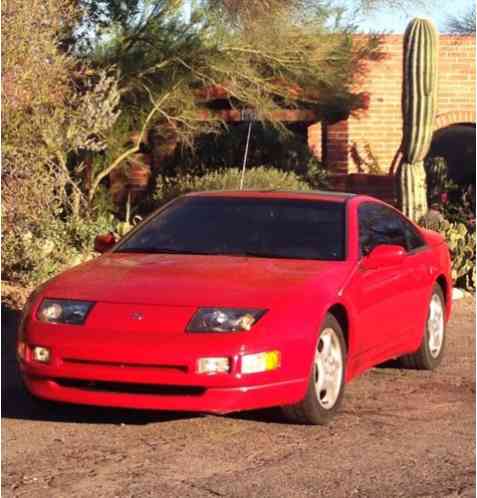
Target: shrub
(461, 242)
(455, 202)
(260, 177)
(316, 175)
(437, 180)
(458, 206)
(57, 113)
(31, 256)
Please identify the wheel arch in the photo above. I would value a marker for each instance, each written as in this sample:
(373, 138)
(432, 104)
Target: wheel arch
(339, 311)
(446, 288)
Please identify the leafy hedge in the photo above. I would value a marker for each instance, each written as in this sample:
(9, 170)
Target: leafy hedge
(260, 177)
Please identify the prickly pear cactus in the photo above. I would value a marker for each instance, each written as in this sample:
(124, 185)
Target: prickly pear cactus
(418, 107)
(461, 242)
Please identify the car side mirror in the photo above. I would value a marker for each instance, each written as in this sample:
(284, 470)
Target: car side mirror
(104, 242)
(383, 256)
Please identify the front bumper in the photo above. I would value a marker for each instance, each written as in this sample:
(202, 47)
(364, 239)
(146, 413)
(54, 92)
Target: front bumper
(162, 376)
(210, 400)
(153, 364)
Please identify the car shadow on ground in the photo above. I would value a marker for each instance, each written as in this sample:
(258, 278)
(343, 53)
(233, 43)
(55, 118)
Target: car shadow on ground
(17, 404)
(264, 416)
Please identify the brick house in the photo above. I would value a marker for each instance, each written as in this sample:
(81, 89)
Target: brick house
(369, 141)
(362, 152)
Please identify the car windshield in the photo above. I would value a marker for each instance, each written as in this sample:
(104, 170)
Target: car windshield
(253, 227)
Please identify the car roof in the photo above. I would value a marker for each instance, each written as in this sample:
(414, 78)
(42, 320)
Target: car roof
(277, 194)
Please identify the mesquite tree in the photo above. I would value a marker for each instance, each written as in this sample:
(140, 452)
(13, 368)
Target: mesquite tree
(167, 62)
(463, 24)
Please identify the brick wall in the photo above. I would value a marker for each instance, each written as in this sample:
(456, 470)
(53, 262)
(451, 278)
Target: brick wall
(373, 136)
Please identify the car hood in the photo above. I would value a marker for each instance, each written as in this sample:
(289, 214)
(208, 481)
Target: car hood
(192, 280)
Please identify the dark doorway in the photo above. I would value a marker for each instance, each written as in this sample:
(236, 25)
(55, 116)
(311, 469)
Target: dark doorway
(456, 143)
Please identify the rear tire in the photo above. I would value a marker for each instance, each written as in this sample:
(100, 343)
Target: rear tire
(430, 352)
(326, 384)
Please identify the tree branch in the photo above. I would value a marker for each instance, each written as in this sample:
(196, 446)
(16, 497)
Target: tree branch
(103, 174)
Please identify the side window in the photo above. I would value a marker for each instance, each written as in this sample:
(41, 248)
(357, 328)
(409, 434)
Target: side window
(413, 239)
(379, 225)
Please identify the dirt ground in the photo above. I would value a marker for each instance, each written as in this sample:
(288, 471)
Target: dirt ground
(399, 434)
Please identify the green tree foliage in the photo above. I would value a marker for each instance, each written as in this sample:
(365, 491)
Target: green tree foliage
(53, 107)
(54, 110)
(168, 64)
(80, 75)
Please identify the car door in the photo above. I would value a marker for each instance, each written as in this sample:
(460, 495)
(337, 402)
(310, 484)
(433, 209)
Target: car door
(421, 277)
(383, 295)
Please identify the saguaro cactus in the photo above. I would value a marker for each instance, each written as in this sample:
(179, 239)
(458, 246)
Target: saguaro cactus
(418, 107)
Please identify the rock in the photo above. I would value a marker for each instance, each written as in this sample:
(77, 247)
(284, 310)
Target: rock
(457, 294)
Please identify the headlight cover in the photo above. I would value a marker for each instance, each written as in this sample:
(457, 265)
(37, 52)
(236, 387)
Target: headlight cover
(64, 311)
(224, 319)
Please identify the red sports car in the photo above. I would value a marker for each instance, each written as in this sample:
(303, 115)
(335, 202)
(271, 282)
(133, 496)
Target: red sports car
(227, 301)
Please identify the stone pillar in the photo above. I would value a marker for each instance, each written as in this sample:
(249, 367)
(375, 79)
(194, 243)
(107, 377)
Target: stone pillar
(336, 147)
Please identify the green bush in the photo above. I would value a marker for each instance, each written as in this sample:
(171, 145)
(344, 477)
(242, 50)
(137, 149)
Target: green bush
(316, 175)
(461, 242)
(34, 254)
(260, 177)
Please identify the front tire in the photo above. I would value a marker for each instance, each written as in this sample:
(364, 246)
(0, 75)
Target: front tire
(326, 384)
(430, 352)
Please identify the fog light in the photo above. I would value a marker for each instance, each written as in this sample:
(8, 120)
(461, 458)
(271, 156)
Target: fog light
(213, 365)
(260, 362)
(41, 354)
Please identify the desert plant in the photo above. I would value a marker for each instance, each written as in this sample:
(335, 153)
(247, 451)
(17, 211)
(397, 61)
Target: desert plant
(460, 206)
(438, 182)
(287, 152)
(310, 65)
(31, 256)
(57, 113)
(464, 23)
(316, 174)
(461, 242)
(260, 177)
(456, 203)
(418, 107)
(365, 159)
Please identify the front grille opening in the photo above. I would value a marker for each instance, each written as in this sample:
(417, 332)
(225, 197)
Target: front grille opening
(129, 388)
(79, 361)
